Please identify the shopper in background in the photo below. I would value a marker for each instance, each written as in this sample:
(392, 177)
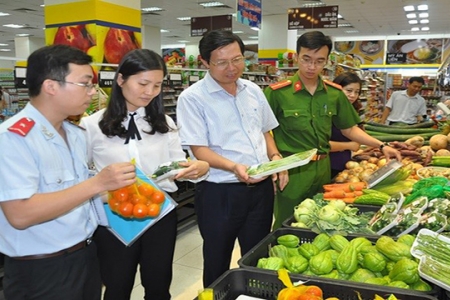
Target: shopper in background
(4, 99)
(226, 121)
(340, 146)
(134, 125)
(406, 107)
(306, 108)
(45, 217)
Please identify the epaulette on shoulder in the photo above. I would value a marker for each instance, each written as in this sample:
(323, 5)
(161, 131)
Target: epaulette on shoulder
(331, 83)
(280, 84)
(22, 127)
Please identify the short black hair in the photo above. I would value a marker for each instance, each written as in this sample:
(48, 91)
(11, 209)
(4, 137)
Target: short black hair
(314, 40)
(215, 39)
(52, 62)
(417, 79)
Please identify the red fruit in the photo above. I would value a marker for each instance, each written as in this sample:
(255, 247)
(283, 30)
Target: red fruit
(117, 43)
(71, 36)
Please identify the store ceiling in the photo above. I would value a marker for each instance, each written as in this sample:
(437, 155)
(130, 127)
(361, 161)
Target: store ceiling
(368, 17)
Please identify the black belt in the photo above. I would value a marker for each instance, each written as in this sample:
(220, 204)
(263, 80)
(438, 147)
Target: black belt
(72, 249)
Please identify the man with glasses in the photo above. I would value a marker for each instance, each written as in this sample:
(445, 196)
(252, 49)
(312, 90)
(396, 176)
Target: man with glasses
(46, 220)
(226, 121)
(306, 106)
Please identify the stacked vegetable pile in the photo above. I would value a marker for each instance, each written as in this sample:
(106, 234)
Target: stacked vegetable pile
(331, 217)
(389, 133)
(386, 262)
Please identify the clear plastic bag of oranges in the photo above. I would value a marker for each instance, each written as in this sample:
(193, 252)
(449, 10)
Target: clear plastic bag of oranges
(140, 200)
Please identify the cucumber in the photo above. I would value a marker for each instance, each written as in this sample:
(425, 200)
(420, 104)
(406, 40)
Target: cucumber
(375, 133)
(402, 130)
(402, 137)
(426, 124)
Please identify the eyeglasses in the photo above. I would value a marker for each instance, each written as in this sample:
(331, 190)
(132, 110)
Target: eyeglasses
(223, 64)
(315, 63)
(87, 86)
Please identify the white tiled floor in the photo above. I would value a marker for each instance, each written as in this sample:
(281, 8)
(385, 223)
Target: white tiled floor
(187, 266)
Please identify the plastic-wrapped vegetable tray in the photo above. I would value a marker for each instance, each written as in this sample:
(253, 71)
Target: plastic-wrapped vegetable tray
(263, 285)
(250, 260)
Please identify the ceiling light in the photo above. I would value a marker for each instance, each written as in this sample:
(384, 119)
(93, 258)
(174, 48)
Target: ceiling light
(425, 28)
(411, 16)
(424, 21)
(5, 50)
(345, 25)
(14, 25)
(351, 31)
(254, 28)
(408, 8)
(164, 30)
(340, 17)
(2, 45)
(253, 37)
(149, 9)
(238, 32)
(317, 4)
(184, 18)
(211, 4)
(42, 5)
(423, 15)
(23, 34)
(413, 22)
(2, 14)
(422, 7)
(183, 41)
(415, 29)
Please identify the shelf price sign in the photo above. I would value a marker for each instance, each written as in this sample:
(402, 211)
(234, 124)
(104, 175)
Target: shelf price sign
(313, 17)
(106, 78)
(203, 24)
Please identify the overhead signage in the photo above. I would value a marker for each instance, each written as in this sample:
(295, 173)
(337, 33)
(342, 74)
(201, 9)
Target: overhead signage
(370, 52)
(201, 25)
(249, 13)
(395, 58)
(416, 51)
(106, 78)
(313, 17)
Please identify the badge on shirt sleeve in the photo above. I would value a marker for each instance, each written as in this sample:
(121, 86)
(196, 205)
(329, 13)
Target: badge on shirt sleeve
(280, 84)
(22, 127)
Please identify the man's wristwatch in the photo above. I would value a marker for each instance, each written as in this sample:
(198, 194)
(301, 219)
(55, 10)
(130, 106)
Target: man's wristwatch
(382, 146)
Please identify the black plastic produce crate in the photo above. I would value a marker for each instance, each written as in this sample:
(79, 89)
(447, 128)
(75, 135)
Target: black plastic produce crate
(250, 260)
(263, 285)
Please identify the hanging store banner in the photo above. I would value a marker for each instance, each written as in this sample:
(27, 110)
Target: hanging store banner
(313, 17)
(201, 25)
(367, 52)
(416, 51)
(249, 12)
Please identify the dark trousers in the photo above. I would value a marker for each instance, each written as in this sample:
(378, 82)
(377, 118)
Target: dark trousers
(229, 211)
(73, 276)
(153, 251)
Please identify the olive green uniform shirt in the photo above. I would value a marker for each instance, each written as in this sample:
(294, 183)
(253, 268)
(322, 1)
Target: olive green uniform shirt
(305, 123)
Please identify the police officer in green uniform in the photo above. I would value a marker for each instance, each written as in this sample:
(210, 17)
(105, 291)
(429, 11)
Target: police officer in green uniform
(306, 107)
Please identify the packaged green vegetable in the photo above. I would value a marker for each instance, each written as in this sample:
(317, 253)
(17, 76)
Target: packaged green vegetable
(167, 170)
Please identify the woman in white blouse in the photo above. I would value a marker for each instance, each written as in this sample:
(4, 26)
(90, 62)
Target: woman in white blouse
(134, 126)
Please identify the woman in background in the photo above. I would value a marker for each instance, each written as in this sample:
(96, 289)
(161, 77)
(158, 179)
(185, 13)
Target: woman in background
(342, 147)
(134, 125)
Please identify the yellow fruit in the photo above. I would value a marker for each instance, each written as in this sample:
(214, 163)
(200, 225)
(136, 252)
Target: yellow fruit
(97, 53)
(138, 39)
(101, 35)
(50, 35)
(92, 31)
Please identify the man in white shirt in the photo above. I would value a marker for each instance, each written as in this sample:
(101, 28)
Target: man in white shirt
(406, 107)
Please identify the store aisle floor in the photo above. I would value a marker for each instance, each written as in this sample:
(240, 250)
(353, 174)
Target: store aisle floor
(187, 266)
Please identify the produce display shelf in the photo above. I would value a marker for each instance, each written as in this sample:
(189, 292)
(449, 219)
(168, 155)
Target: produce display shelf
(263, 285)
(250, 260)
